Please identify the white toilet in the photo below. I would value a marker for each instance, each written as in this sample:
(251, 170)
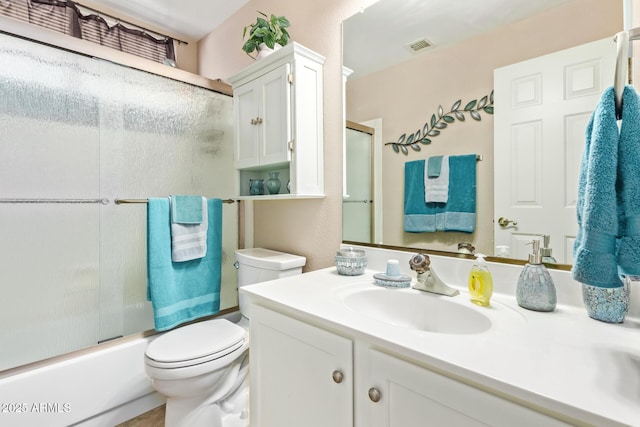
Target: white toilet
(202, 368)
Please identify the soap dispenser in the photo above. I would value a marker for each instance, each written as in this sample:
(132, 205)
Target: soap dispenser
(480, 282)
(545, 251)
(535, 290)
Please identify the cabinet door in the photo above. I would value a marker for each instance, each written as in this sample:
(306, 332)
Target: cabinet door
(246, 104)
(411, 396)
(300, 375)
(275, 128)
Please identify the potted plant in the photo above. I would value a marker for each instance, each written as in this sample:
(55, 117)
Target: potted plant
(266, 34)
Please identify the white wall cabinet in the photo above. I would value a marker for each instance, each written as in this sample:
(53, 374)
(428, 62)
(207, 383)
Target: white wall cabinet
(295, 367)
(301, 375)
(278, 122)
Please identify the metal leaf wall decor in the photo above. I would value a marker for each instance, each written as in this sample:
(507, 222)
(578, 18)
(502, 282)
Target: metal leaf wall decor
(439, 121)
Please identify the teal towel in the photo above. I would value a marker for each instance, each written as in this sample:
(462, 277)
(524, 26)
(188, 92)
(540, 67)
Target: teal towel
(458, 214)
(186, 209)
(597, 208)
(434, 165)
(629, 185)
(182, 291)
(419, 216)
(460, 210)
(188, 240)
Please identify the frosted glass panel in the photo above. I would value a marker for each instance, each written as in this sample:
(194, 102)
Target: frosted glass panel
(73, 127)
(49, 281)
(356, 208)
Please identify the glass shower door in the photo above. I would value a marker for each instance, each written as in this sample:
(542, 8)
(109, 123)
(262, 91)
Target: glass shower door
(357, 202)
(49, 251)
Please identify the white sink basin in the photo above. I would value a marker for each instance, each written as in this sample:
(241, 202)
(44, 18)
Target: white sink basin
(422, 311)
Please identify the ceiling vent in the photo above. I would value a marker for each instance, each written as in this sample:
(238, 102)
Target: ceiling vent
(419, 45)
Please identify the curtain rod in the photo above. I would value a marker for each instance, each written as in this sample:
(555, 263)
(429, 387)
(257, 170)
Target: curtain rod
(126, 22)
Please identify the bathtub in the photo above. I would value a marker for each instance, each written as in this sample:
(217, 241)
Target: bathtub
(99, 387)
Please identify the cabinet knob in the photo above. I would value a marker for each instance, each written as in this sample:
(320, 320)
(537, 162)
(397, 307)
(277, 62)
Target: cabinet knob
(256, 121)
(374, 394)
(337, 376)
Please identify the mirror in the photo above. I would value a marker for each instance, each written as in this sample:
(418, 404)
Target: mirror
(401, 89)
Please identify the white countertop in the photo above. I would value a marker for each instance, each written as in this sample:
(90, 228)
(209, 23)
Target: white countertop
(561, 362)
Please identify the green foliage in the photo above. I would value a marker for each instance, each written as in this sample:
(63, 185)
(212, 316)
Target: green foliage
(440, 121)
(269, 31)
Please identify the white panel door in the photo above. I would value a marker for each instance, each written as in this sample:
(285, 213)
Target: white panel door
(543, 106)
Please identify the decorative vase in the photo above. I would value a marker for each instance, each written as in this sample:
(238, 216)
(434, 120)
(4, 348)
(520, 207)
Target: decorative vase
(607, 304)
(273, 183)
(264, 50)
(256, 187)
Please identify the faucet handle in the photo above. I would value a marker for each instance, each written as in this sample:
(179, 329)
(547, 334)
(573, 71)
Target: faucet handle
(420, 263)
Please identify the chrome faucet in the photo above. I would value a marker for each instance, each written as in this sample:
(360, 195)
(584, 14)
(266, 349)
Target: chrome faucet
(427, 279)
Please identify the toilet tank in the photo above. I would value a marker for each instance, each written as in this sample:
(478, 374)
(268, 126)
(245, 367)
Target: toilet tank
(260, 265)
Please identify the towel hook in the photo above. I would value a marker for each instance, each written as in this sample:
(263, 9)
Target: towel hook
(622, 59)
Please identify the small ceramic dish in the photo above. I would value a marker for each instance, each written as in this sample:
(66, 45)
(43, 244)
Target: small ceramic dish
(400, 281)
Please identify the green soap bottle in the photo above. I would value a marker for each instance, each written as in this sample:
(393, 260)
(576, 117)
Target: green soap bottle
(480, 282)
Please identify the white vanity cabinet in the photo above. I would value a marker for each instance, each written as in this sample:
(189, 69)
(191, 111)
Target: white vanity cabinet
(278, 122)
(391, 392)
(301, 375)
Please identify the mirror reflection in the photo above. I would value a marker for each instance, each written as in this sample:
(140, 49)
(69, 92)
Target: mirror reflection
(470, 50)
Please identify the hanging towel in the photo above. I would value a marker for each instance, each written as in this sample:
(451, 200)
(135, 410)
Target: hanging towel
(419, 216)
(189, 226)
(436, 188)
(458, 214)
(629, 185)
(460, 211)
(182, 291)
(187, 210)
(434, 166)
(597, 209)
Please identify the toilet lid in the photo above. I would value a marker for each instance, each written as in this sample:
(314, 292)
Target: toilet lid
(196, 341)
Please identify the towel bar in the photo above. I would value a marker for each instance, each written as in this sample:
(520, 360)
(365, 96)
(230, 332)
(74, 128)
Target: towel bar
(101, 201)
(124, 201)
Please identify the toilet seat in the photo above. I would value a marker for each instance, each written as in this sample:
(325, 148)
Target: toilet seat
(195, 344)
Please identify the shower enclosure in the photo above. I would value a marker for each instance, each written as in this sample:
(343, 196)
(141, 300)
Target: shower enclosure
(76, 133)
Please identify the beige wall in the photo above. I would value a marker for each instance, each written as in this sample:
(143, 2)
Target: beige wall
(312, 228)
(407, 95)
